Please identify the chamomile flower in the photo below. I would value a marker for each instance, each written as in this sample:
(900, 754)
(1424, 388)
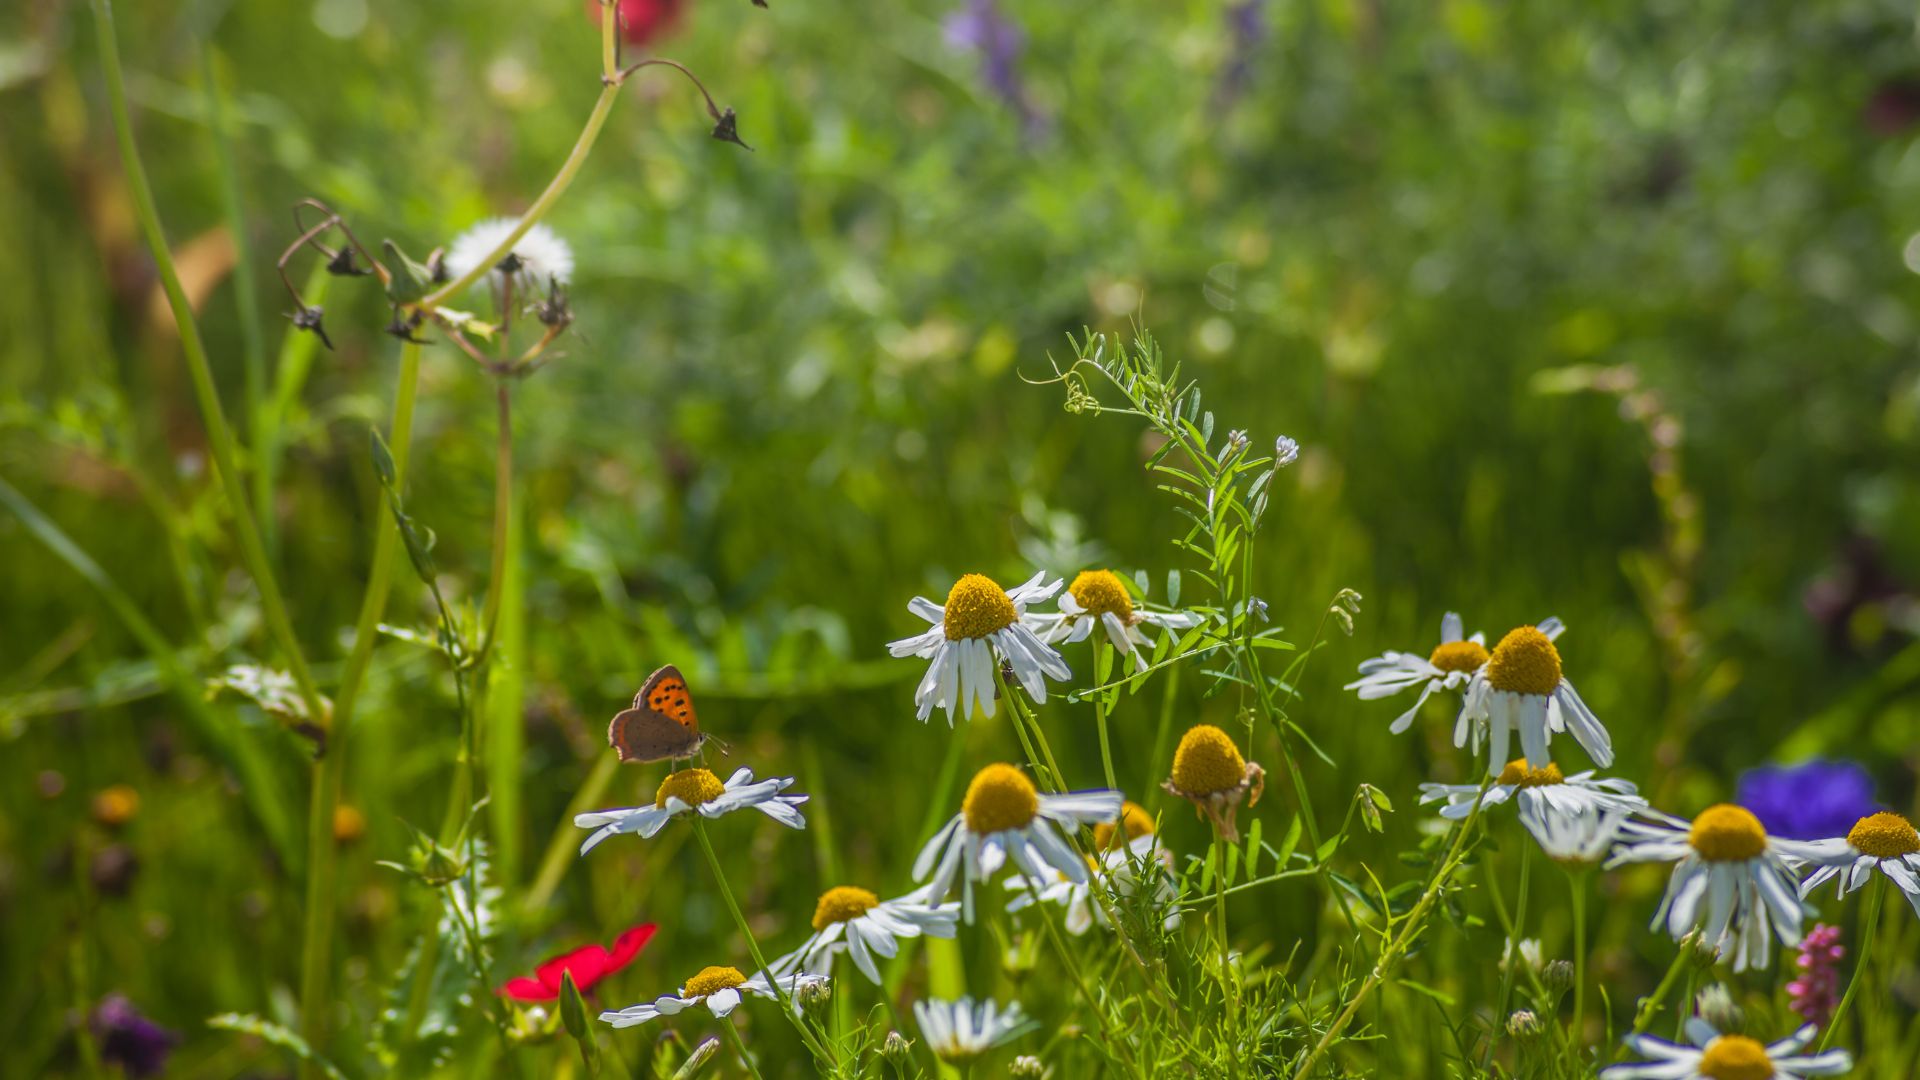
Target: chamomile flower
(1575, 841)
(849, 919)
(1209, 772)
(1730, 879)
(1121, 869)
(1537, 791)
(720, 989)
(1448, 667)
(1521, 688)
(1884, 841)
(1709, 1055)
(959, 1031)
(1005, 817)
(697, 789)
(541, 257)
(978, 627)
(1100, 598)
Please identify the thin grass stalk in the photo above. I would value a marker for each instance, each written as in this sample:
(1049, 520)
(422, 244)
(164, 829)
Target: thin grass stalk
(1869, 929)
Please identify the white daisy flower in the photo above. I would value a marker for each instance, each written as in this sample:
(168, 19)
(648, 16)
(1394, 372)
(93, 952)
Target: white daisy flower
(697, 789)
(1100, 598)
(979, 626)
(1575, 841)
(720, 989)
(959, 1031)
(1885, 842)
(1521, 688)
(1004, 817)
(1713, 1056)
(1731, 880)
(1531, 954)
(855, 921)
(1125, 859)
(1538, 791)
(543, 258)
(1451, 664)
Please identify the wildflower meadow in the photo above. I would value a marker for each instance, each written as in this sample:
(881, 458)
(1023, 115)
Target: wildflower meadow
(700, 538)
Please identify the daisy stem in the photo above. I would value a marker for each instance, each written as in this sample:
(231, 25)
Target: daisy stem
(1651, 1003)
(1577, 882)
(1869, 926)
(739, 1048)
(1100, 714)
(1229, 984)
(1072, 962)
(1514, 959)
(753, 948)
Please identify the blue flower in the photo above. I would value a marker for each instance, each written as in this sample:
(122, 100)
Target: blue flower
(1814, 800)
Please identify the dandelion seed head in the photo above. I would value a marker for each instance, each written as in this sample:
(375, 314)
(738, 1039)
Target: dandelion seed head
(690, 786)
(1525, 662)
(1102, 592)
(1134, 820)
(542, 255)
(1000, 798)
(1207, 761)
(1736, 1057)
(1516, 774)
(1727, 833)
(977, 608)
(712, 980)
(842, 903)
(1467, 656)
(1884, 836)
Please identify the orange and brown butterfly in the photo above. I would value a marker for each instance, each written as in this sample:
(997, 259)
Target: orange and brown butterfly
(662, 725)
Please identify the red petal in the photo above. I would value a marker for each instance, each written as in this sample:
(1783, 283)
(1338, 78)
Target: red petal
(628, 945)
(525, 989)
(587, 963)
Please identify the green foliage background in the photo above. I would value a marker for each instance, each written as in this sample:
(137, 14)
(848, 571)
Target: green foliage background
(795, 399)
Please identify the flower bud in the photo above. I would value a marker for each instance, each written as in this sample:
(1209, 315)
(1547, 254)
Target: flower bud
(1557, 977)
(814, 996)
(1523, 1024)
(1026, 1067)
(898, 1049)
(1716, 1006)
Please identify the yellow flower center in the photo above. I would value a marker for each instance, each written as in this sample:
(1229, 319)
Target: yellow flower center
(1207, 762)
(690, 786)
(977, 607)
(1525, 662)
(1736, 1057)
(1516, 774)
(115, 806)
(712, 980)
(1884, 836)
(1000, 798)
(841, 904)
(1135, 820)
(1464, 656)
(1727, 833)
(1102, 592)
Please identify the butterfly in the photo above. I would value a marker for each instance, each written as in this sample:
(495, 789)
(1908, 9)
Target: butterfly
(662, 725)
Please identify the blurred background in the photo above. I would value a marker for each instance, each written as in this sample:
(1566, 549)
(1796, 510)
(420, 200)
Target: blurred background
(1603, 310)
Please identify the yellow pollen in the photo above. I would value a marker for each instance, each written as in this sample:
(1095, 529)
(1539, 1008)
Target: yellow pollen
(1525, 662)
(712, 980)
(976, 607)
(1137, 822)
(1207, 762)
(1101, 592)
(690, 786)
(1727, 833)
(842, 903)
(1464, 656)
(1516, 774)
(999, 798)
(1884, 836)
(1736, 1057)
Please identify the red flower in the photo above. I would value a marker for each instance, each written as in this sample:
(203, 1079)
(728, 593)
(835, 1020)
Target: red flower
(642, 20)
(588, 965)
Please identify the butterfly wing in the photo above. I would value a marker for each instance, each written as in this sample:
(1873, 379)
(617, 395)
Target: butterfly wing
(662, 725)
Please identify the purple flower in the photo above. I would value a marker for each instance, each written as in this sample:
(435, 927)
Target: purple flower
(138, 1045)
(1247, 26)
(1815, 993)
(981, 27)
(1815, 800)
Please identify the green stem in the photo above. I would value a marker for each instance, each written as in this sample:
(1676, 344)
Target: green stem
(1229, 984)
(329, 771)
(1650, 1005)
(1869, 929)
(739, 1048)
(1100, 712)
(1514, 959)
(753, 947)
(220, 440)
(1409, 926)
(502, 517)
(1072, 963)
(1577, 881)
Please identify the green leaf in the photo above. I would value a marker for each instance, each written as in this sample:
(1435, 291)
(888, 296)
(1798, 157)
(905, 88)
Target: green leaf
(1173, 588)
(276, 1034)
(382, 460)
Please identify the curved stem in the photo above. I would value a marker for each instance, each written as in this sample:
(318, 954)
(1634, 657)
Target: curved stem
(1869, 929)
(739, 1048)
(1650, 1005)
